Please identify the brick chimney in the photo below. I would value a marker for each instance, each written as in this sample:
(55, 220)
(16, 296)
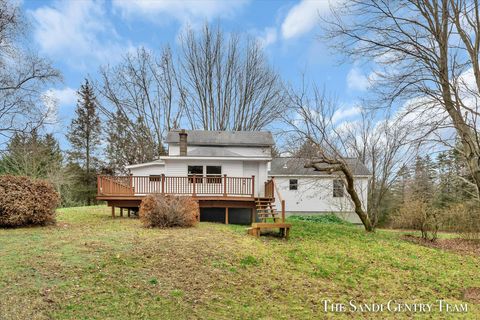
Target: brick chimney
(183, 142)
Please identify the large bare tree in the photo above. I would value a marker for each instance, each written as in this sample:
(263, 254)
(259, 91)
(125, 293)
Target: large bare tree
(384, 146)
(424, 54)
(211, 82)
(228, 82)
(23, 76)
(312, 120)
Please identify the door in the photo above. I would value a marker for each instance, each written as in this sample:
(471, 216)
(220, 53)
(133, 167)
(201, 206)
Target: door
(250, 168)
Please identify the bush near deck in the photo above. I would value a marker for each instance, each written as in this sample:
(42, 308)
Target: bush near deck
(26, 202)
(90, 266)
(163, 211)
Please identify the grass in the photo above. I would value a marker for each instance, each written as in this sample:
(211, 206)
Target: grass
(90, 266)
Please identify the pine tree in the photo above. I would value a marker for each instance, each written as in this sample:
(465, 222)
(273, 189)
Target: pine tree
(32, 155)
(128, 145)
(84, 137)
(424, 178)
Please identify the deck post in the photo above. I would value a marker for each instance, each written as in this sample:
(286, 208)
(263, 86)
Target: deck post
(283, 210)
(113, 212)
(131, 184)
(98, 185)
(163, 183)
(253, 186)
(226, 215)
(224, 185)
(194, 193)
(253, 215)
(121, 212)
(128, 212)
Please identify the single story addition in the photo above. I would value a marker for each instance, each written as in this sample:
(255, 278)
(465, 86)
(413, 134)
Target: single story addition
(308, 192)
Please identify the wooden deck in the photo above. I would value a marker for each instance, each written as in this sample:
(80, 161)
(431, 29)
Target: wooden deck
(196, 186)
(127, 192)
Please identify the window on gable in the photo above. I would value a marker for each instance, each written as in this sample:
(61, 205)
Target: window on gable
(338, 188)
(214, 174)
(293, 184)
(197, 171)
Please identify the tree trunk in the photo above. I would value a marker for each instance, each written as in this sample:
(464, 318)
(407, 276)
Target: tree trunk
(339, 166)
(356, 201)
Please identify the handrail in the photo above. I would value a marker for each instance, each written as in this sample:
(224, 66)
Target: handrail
(282, 202)
(186, 185)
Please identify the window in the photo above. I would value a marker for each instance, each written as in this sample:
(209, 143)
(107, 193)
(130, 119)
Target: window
(154, 177)
(338, 188)
(293, 184)
(195, 170)
(214, 174)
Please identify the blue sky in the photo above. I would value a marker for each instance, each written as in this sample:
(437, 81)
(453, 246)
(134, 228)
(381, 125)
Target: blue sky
(79, 36)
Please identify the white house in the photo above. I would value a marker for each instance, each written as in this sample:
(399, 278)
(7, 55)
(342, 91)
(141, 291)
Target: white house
(230, 175)
(213, 154)
(307, 191)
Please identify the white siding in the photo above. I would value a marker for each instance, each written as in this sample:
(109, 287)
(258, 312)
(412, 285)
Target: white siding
(232, 168)
(174, 150)
(179, 167)
(315, 196)
(154, 169)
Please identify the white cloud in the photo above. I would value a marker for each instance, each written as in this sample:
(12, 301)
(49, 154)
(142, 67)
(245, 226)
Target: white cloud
(344, 113)
(53, 99)
(356, 80)
(268, 37)
(64, 97)
(186, 11)
(303, 17)
(77, 31)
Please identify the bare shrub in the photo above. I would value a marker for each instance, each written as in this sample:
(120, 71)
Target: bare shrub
(25, 202)
(418, 215)
(168, 211)
(463, 218)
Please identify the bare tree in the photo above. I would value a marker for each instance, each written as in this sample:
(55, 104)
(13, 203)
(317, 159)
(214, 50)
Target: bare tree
(23, 76)
(142, 91)
(424, 53)
(212, 83)
(312, 119)
(229, 84)
(384, 147)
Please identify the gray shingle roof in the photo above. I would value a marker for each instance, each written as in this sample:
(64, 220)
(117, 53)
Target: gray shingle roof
(224, 138)
(295, 166)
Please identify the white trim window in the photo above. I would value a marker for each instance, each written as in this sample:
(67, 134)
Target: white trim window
(338, 188)
(293, 184)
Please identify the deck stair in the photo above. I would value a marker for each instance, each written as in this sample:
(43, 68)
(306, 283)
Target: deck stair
(266, 209)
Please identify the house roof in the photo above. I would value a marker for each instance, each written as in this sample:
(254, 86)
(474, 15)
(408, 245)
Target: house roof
(295, 166)
(224, 138)
(146, 164)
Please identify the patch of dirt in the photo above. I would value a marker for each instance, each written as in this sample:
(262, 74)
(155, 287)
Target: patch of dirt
(472, 294)
(457, 245)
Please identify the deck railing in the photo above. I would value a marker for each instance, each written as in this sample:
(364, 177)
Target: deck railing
(270, 190)
(190, 185)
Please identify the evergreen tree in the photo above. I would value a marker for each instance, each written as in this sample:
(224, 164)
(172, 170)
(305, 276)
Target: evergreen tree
(128, 145)
(29, 154)
(84, 137)
(424, 178)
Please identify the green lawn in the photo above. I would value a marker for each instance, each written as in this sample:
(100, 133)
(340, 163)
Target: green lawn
(90, 266)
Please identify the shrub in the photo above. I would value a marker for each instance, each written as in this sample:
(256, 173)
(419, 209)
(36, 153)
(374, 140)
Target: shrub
(168, 211)
(24, 202)
(463, 218)
(326, 218)
(420, 215)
